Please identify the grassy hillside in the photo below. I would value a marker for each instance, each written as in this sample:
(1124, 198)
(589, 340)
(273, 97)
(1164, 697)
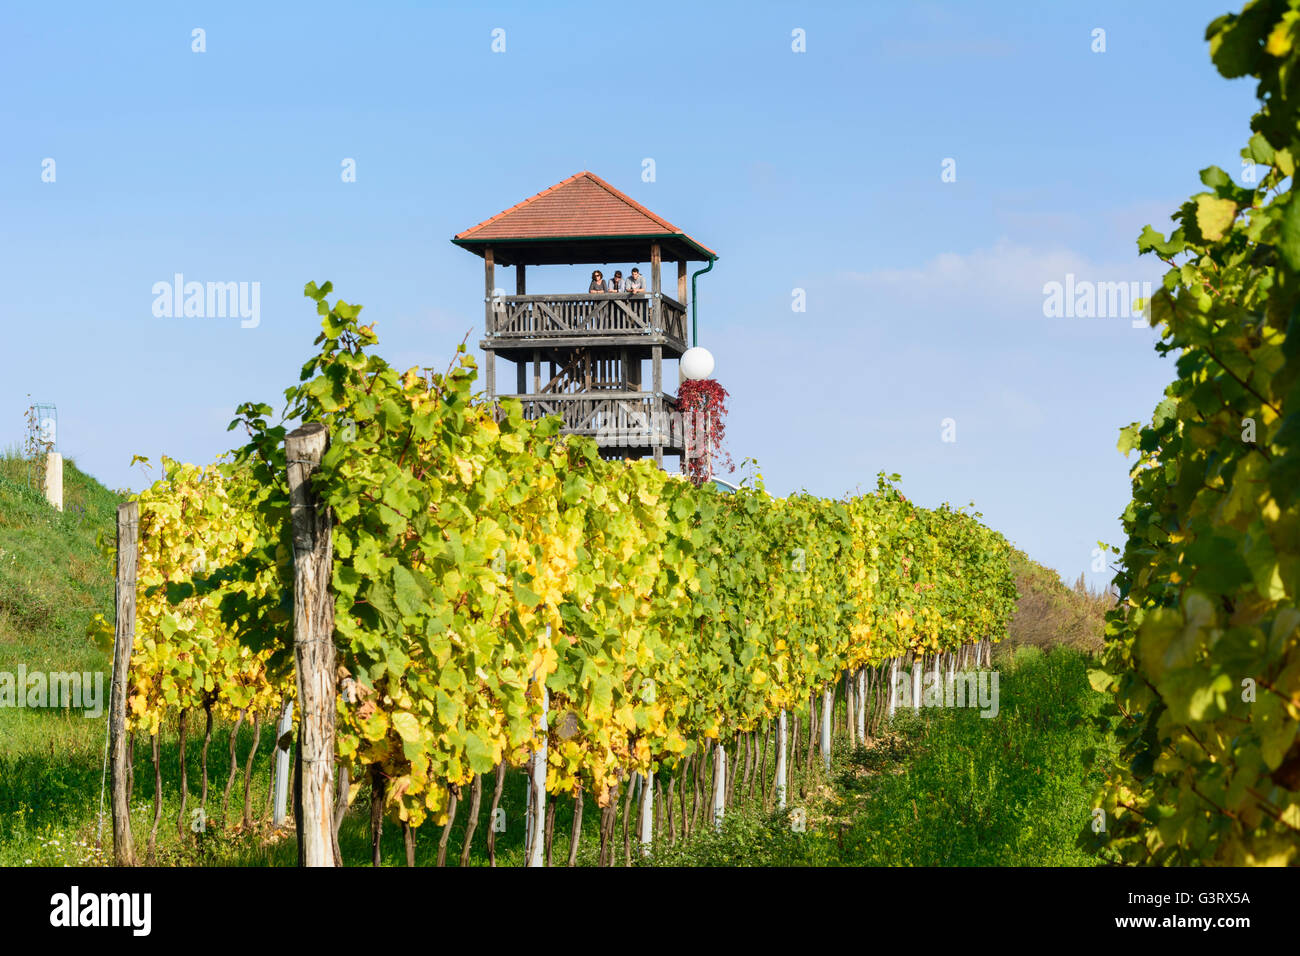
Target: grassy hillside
(1050, 614)
(52, 574)
(52, 579)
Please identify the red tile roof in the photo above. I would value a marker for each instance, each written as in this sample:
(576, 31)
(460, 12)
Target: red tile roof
(584, 205)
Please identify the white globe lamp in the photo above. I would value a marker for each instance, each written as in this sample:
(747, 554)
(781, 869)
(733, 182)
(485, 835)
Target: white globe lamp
(696, 363)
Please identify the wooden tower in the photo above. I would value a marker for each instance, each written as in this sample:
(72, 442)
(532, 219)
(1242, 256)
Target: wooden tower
(577, 354)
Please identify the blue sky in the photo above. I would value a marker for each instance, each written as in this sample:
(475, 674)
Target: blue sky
(818, 171)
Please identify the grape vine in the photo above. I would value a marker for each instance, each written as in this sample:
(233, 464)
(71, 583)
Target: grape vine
(1204, 649)
(480, 555)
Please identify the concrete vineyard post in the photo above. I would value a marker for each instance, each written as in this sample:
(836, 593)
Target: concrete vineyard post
(536, 855)
(918, 665)
(528, 812)
(54, 480)
(893, 685)
(647, 813)
(128, 530)
(719, 784)
(282, 773)
(851, 706)
(313, 645)
(828, 715)
(862, 705)
(780, 760)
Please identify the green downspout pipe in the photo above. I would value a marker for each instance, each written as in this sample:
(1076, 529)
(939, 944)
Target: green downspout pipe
(695, 340)
(695, 303)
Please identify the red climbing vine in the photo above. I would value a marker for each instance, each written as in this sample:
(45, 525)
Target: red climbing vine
(703, 406)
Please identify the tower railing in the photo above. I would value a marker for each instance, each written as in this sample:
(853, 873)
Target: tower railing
(608, 313)
(614, 419)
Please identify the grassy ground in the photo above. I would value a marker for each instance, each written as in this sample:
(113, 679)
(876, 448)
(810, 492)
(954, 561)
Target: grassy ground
(957, 789)
(945, 787)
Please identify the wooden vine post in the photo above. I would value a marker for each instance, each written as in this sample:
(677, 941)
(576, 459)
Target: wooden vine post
(128, 532)
(313, 646)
